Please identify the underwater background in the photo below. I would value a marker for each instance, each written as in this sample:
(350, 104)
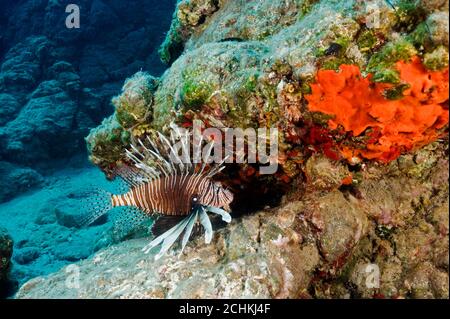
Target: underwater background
(57, 84)
(357, 89)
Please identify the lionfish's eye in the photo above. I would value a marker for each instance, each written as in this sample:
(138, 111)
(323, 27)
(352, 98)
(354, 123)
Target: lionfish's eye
(194, 199)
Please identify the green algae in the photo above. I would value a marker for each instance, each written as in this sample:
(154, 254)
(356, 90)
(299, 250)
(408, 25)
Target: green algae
(334, 63)
(133, 105)
(344, 42)
(437, 59)
(171, 48)
(304, 7)
(319, 118)
(281, 68)
(195, 90)
(251, 82)
(421, 37)
(106, 143)
(127, 114)
(409, 13)
(396, 92)
(387, 76)
(381, 63)
(334, 55)
(367, 40)
(269, 93)
(188, 15)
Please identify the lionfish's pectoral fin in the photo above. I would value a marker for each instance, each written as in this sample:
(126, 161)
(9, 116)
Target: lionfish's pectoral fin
(206, 223)
(186, 225)
(127, 219)
(97, 203)
(188, 231)
(164, 223)
(168, 238)
(226, 217)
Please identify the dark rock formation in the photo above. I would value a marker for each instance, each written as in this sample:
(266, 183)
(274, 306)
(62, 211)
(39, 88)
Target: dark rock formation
(16, 180)
(6, 249)
(56, 83)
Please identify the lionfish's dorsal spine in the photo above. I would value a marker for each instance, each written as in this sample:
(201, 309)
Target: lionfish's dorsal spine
(169, 161)
(161, 158)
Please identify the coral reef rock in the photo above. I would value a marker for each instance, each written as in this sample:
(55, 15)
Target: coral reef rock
(305, 67)
(6, 249)
(384, 237)
(364, 212)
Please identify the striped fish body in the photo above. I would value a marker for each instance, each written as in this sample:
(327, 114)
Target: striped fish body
(172, 188)
(174, 195)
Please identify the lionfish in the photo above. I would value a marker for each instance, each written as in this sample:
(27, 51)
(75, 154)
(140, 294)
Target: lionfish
(166, 184)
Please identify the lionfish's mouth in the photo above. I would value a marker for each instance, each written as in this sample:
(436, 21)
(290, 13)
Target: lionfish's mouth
(199, 212)
(165, 181)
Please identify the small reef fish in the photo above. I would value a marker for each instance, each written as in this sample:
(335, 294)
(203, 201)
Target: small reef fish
(333, 49)
(231, 39)
(165, 184)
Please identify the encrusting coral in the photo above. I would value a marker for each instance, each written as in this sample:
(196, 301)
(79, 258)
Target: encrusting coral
(230, 69)
(133, 106)
(389, 124)
(340, 88)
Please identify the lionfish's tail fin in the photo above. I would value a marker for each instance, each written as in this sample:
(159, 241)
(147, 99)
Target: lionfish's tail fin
(96, 203)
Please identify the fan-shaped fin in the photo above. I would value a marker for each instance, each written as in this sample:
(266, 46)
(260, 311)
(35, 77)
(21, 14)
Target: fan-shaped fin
(188, 231)
(132, 176)
(167, 239)
(96, 203)
(206, 223)
(226, 217)
(163, 223)
(128, 219)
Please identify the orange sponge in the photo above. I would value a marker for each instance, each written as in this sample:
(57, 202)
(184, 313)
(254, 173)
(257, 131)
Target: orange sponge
(390, 127)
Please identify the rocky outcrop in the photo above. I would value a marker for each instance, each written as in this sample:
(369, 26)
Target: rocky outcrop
(253, 258)
(56, 83)
(17, 180)
(385, 238)
(272, 64)
(6, 249)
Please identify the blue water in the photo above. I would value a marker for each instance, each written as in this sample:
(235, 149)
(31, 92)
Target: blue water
(55, 84)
